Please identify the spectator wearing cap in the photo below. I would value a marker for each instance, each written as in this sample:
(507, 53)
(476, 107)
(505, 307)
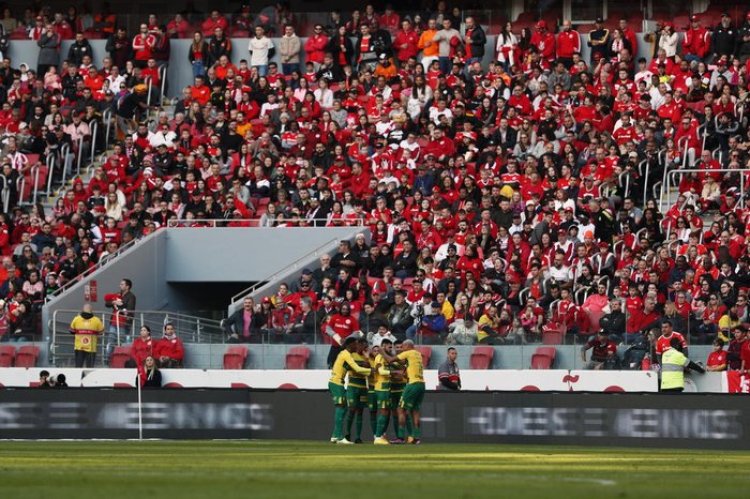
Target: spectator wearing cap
(315, 46)
(604, 354)
(598, 40)
(697, 41)
(463, 332)
(544, 41)
(724, 38)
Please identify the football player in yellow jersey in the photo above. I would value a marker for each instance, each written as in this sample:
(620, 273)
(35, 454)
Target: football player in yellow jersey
(343, 363)
(411, 400)
(398, 382)
(382, 389)
(356, 392)
(372, 402)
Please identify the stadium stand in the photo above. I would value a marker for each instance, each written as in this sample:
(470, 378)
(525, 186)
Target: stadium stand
(528, 189)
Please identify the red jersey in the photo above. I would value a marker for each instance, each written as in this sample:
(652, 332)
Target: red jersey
(662, 343)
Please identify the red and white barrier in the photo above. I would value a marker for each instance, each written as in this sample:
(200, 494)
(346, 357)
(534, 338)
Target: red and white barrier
(316, 379)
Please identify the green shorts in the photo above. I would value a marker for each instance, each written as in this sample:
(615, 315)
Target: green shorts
(338, 394)
(411, 400)
(372, 400)
(356, 397)
(383, 400)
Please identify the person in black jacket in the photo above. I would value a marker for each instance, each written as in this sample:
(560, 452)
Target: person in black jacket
(237, 326)
(151, 376)
(306, 324)
(119, 47)
(613, 323)
(218, 45)
(78, 49)
(724, 38)
(474, 39)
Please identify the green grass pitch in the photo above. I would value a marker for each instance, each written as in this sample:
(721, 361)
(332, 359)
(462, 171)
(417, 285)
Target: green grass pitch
(285, 469)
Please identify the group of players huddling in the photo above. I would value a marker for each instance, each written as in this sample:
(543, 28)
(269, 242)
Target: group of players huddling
(388, 379)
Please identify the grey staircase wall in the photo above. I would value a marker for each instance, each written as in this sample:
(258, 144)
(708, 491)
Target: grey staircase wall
(181, 255)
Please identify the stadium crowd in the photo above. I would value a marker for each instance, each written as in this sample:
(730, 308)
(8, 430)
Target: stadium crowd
(508, 194)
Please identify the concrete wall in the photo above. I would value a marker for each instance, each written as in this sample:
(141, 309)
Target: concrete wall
(143, 264)
(241, 255)
(201, 356)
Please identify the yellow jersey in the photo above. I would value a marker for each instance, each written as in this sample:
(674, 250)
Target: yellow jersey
(345, 362)
(86, 332)
(382, 374)
(357, 378)
(414, 369)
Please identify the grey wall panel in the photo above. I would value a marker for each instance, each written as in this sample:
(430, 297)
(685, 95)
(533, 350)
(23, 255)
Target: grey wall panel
(241, 255)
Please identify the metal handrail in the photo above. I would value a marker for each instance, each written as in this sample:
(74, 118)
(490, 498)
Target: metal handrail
(163, 76)
(5, 194)
(94, 133)
(150, 82)
(51, 161)
(20, 187)
(252, 289)
(107, 118)
(79, 154)
(36, 169)
(190, 329)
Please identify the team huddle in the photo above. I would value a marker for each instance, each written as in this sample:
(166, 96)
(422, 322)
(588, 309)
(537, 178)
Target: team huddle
(387, 379)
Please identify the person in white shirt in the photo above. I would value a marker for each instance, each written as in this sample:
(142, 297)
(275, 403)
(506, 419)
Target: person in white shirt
(668, 40)
(558, 270)
(323, 94)
(260, 48)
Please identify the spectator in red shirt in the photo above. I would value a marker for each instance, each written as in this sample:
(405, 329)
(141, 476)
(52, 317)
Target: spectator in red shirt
(169, 350)
(604, 354)
(717, 359)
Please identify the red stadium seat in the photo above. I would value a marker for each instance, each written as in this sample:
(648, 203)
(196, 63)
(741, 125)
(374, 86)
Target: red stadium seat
(239, 386)
(123, 385)
(27, 356)
(173, 384)
(553, 335)
(426, 355)
(235, 357)
(543, 358)
(7, 354)
(119, 357)
(297, 358)
(288, 386)
(481, 357)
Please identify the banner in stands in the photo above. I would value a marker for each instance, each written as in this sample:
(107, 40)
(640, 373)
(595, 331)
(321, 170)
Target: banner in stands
(654, 420)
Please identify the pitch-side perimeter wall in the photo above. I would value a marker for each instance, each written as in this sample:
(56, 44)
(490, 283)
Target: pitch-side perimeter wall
(709, 421)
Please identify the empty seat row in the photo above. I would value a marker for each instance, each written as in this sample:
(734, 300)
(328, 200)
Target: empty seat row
(25, 356)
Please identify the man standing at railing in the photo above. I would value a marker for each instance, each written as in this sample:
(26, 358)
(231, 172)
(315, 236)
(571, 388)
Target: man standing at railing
(86, 328)
(123, 305)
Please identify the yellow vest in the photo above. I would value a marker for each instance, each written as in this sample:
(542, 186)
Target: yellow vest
(673, 364)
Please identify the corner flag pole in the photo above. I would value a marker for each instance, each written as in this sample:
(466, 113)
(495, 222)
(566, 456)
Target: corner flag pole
(140, 407)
